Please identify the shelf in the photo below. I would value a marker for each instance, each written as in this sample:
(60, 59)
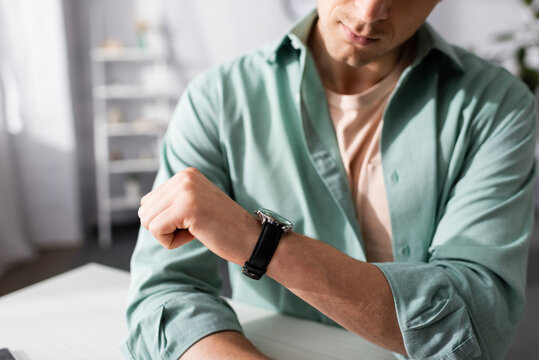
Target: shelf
(133, 165)
(128, 92)
(135, 129)
(133, 92)
(122, 204)
(125, 55)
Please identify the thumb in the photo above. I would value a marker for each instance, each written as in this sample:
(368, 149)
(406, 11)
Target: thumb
(180, 237)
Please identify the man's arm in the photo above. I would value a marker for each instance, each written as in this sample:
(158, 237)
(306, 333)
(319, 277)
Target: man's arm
(456, 304)
(226, 345)
(330, 281)
(174, 297)
(353, 293)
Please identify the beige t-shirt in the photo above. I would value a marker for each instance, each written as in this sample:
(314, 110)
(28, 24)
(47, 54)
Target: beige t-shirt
(357, 120)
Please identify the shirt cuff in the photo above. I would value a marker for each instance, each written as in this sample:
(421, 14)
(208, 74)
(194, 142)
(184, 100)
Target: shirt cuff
(168, 331)
(433, 318)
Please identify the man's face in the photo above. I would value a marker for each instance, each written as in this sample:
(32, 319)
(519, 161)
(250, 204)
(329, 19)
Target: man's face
(359, 32)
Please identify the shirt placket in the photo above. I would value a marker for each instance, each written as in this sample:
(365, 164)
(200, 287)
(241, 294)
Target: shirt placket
(323, 148)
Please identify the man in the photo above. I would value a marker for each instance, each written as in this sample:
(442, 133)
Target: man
(405, 164)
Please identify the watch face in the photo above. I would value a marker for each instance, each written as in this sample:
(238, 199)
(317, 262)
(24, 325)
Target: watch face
(274, 218)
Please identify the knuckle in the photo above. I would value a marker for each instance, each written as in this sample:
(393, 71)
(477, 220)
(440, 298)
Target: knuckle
(187, 182)
(144, 198)
(154, 229)
(140, 212)
(186, 176)
(144, 224)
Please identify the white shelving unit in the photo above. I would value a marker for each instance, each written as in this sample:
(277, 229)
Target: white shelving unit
(132, 103)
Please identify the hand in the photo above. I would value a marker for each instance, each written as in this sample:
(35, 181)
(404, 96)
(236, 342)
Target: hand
(189, 206)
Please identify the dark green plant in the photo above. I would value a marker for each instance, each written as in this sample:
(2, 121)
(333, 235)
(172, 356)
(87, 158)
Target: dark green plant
(529, 75)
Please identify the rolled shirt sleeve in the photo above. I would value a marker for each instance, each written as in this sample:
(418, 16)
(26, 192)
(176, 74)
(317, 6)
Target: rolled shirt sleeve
(174, 295)
(467, 299)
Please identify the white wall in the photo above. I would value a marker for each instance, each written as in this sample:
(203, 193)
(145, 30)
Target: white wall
(473, 24)
(209, 32)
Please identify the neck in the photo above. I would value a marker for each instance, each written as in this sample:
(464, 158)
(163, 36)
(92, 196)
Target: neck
(342, 78)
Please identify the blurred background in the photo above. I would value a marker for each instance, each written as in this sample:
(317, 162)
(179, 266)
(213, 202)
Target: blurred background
(87, 89)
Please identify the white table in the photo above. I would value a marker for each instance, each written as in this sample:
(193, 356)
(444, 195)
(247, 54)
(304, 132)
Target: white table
(80, 315)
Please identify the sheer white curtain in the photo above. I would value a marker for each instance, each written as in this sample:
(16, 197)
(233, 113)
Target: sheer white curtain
(14, 244)
(39, 206)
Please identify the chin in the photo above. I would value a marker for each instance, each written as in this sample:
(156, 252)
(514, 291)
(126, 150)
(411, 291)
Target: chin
(351, 56)
(355, 60)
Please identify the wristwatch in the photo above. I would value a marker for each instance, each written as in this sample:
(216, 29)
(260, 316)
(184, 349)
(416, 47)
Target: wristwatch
(274, 226)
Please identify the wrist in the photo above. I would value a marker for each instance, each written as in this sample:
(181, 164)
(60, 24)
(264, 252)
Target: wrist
(274, 227)
(249, 232)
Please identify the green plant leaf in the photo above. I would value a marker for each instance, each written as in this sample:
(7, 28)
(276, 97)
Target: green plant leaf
(530, 77)
(527, 2)
(504, 37)
(521, 55)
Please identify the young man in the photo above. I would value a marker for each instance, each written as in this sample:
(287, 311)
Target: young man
(405, 164)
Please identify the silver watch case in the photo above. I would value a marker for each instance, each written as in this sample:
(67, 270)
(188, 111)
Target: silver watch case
(268, 216)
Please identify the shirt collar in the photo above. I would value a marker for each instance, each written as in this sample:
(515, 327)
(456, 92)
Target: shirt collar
(427, 39)
(296, 38)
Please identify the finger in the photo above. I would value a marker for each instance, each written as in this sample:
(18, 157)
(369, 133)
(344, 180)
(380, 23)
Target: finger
(155, 193)
(153, 207)
(164, 225)
(180, 237)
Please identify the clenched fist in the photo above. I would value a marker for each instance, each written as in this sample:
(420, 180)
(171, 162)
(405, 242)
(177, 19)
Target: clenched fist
(189, 206)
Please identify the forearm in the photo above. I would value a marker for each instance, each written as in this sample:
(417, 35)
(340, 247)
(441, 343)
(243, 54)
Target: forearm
(224, 345)
(353, 293)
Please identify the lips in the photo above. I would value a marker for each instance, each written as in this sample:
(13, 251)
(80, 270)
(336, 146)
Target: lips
(359, 39)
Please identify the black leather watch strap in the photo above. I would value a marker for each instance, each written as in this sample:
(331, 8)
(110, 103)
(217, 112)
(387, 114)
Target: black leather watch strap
(265, 247)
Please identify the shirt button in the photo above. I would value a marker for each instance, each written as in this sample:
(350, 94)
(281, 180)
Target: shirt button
(395, 177)
(404, 250)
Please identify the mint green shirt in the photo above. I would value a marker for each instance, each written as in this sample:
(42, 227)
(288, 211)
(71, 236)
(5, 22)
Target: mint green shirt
(457, 150)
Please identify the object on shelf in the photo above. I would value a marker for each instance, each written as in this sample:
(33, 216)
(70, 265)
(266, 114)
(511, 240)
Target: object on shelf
(133, 129)
(142, 125)
(112, 44)
(141, 29)
(115, 115)
(149, 19)
(132, 54)
(146, 155)
(132, 187)
(115, 156)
